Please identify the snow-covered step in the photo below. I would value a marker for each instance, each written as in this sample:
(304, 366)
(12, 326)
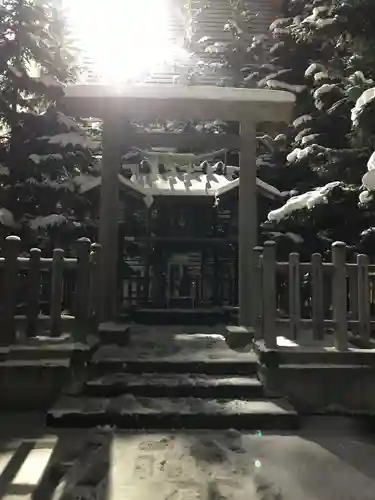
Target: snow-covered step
(191, 364)
(175, 385)
(130, 412)
(165, 352)
(42, 352)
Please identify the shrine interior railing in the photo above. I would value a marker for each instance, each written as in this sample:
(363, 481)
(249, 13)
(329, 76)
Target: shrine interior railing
(203, 287)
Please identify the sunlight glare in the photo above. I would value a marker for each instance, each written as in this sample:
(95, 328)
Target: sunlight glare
(124, 39)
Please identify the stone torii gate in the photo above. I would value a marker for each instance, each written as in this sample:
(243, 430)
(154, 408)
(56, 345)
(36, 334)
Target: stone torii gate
(114, 105)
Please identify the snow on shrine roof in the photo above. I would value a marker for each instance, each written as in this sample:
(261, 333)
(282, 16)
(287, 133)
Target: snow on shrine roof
(184, 184)
(193, 185)
(177, 184)
(263, 186)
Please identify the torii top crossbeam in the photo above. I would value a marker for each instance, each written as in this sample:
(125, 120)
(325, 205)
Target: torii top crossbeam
(180, 102)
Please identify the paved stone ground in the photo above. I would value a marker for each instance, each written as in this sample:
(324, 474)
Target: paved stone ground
(329, 459)
(234, 466)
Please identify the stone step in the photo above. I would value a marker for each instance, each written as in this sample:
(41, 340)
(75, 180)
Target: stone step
(166, 413)
(175, 385)
(180, 316)
(167, 351)
(44, 349)
(326, 355)
(111, 332)
(191, 364)
(32, 385)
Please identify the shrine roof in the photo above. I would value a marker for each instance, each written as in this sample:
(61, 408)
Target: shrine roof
(149, 186)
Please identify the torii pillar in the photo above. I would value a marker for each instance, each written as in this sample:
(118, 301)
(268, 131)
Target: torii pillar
(248, 107)
(110, 214)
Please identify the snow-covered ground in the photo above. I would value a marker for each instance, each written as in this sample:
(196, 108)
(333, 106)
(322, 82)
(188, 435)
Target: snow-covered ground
(327, 460)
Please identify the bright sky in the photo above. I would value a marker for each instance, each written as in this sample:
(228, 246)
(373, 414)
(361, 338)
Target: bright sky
(125, 38)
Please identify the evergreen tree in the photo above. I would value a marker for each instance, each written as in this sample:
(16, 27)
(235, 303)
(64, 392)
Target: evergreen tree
(42, 151)
(321, 51)
(326, 145)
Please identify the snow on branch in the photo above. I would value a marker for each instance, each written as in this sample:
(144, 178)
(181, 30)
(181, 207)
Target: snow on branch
(15, 71)
(322, 23)
(366, 98)
(296, 238)
(299, 154)
(72, 138)
(301, 121)
(216, 48)
(368, 180)
(365, 197)
(358, 78)
(48, 221)
(67, 121)
(307, 200)
(309, 139)
(325, 89)
(4, 170)
(50, 81)
(41, 158)
(371, 162)
(316, 20)
(204, 39)
(314, 68)
(303, 133)
(7, 218)
(277, 85)
(280, 22)
(321, 76)
(294, 155)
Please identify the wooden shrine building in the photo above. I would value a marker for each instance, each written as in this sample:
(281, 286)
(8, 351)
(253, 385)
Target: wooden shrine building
(178, 230)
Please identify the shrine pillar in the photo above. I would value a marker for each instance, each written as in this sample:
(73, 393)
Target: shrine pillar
(109, 213)
(247, 224)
